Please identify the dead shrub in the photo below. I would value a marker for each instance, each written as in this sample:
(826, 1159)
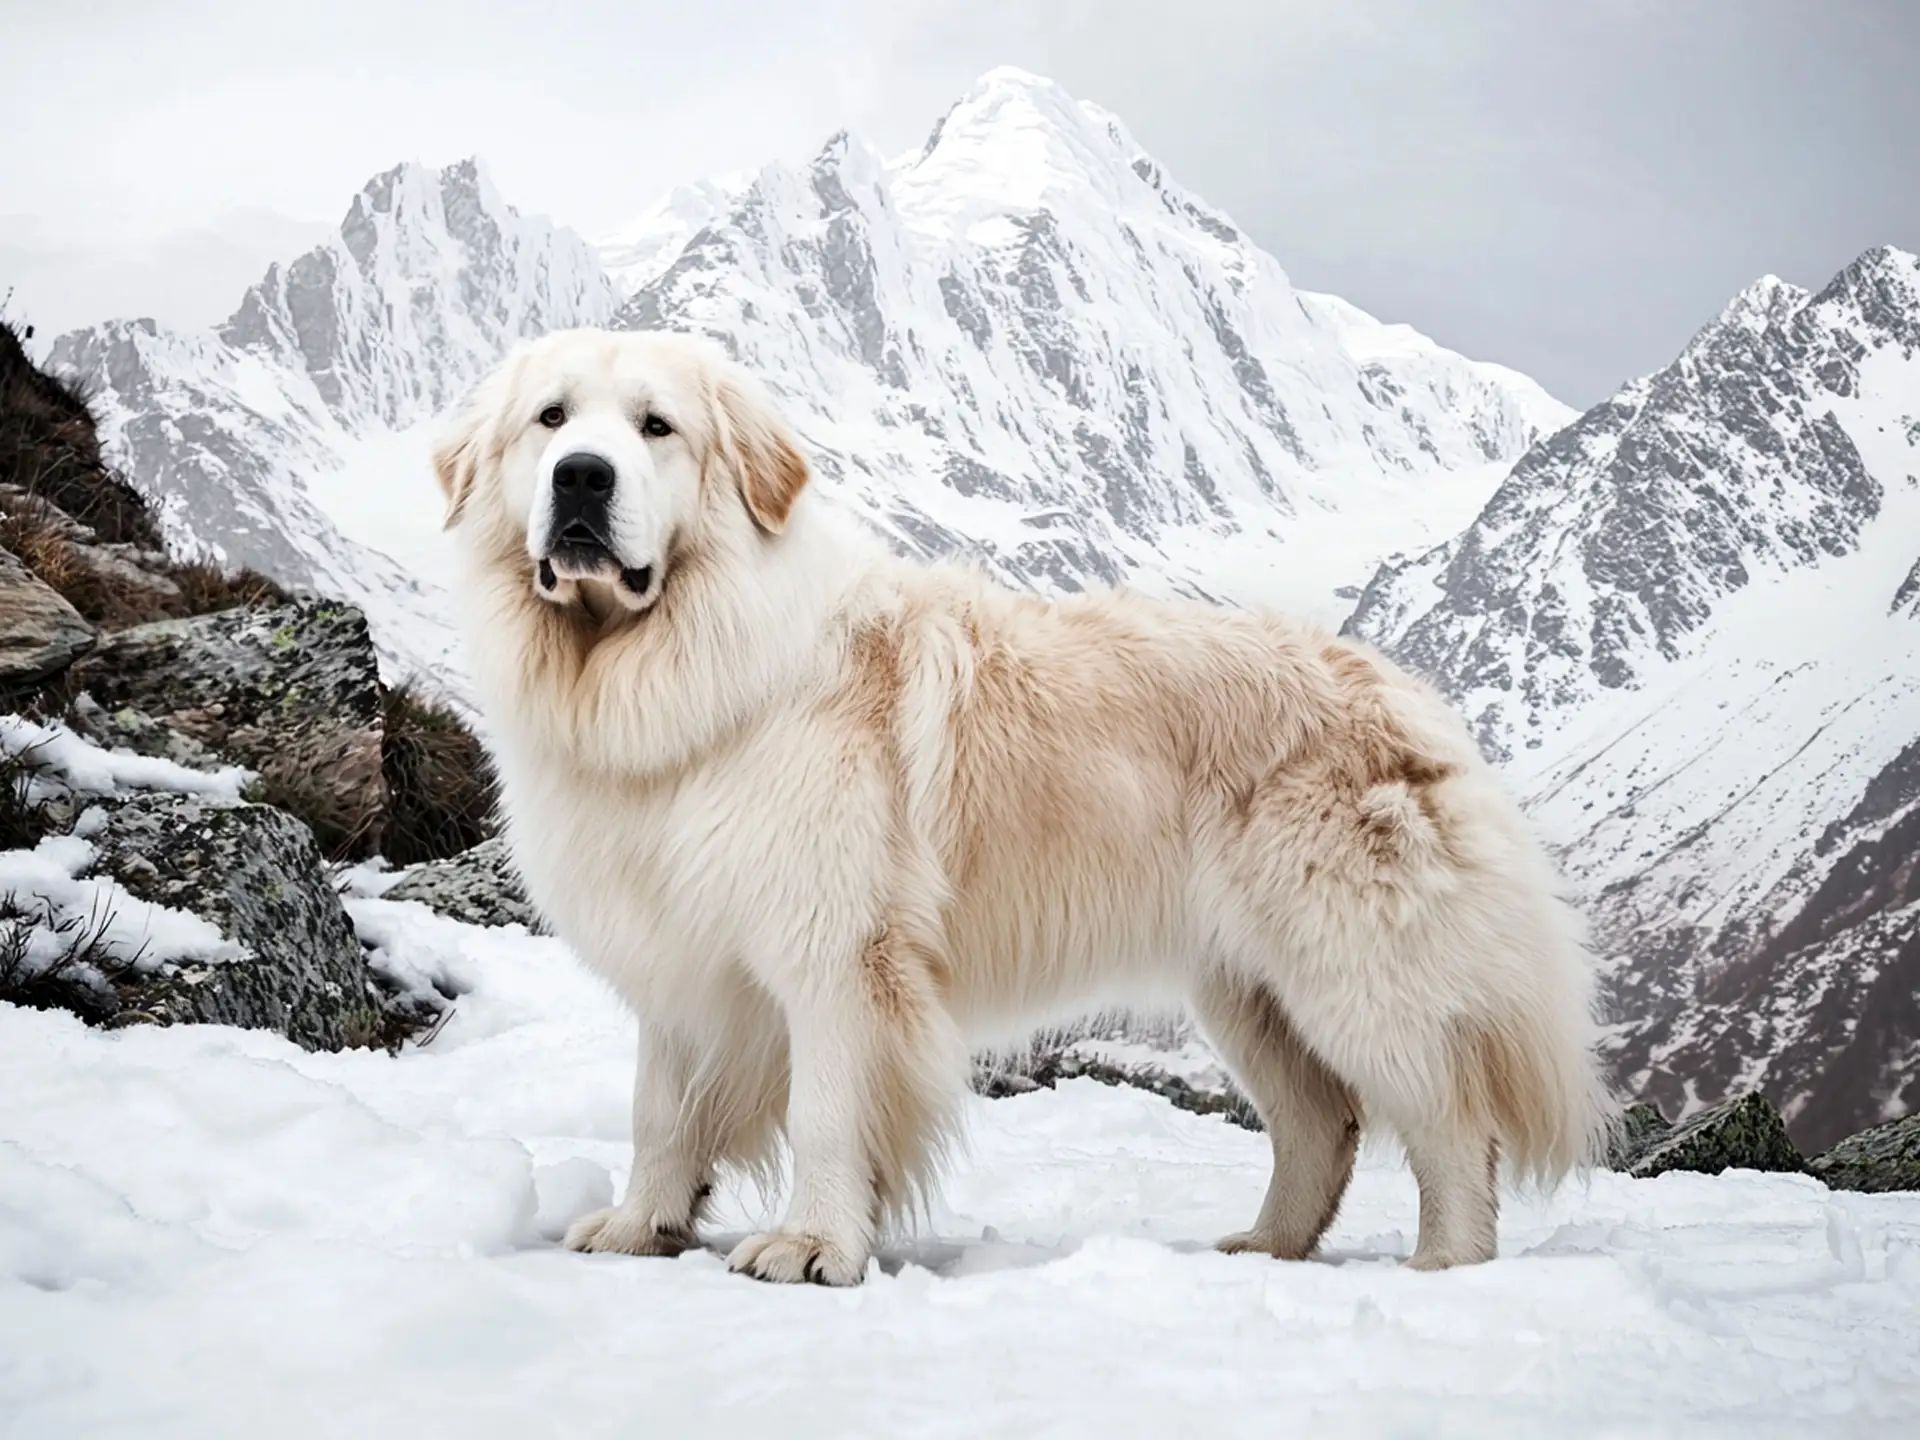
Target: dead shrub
(441, 792)
(206, 588)
(22, 821)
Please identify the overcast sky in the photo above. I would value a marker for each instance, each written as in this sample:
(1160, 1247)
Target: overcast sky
(1567, 186)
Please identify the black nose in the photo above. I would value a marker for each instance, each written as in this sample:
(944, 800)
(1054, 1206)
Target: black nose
(583, 471)
(582, 489)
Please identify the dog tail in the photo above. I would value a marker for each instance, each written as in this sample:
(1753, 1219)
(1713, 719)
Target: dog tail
(1530, 1071)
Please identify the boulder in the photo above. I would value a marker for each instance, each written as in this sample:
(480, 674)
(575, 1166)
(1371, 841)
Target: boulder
(1884, 1158)
(479, 886)
(291, 691)
(254, 873)
(247, 928)
(1745, 1133)
(1637, 1130)
(40, 633)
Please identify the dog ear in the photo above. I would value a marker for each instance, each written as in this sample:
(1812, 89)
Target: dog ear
(764, 452)
(456, 458)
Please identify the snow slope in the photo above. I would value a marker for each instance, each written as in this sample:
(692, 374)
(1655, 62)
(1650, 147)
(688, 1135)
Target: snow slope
(206, 1231)
(1687, 623)
(1023, 342)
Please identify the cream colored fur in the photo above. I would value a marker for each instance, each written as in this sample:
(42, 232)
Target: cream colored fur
(827, 819)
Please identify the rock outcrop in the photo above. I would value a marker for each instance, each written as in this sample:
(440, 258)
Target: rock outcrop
(40, 633)
(1884, 1158)
(190, 748)
(1745, 1133)
(253, 872)
(290, 691)
(479, 887)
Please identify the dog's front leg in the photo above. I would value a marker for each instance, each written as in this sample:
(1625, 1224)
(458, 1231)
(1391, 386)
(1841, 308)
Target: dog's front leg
(671, 1176)
(831, 1219)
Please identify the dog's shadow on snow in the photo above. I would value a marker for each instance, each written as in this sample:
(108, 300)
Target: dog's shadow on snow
(949, 1259)
(959, 1259)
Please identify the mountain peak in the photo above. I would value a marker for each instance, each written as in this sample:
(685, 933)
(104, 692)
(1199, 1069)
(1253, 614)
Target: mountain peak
(1013, 77)
(1008, 100)
(348, 314)
(1012, 145)
(1884, 259)
(1767, 302)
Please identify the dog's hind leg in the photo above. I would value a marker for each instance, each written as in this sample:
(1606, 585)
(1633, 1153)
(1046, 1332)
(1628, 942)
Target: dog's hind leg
(1457, 1168)
(1311, 1115)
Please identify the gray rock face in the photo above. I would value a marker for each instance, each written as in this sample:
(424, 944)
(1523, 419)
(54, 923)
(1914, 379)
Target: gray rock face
(479, 887)
(289, 691)
(1742, 1134)
(40, 633)
(253, 872)
(1884, 1158)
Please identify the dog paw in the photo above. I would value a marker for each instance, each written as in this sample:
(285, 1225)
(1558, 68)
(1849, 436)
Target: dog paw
(625, 1232)
(1431, 1260)
(788, 1258)
(1243, 1242)
(1252, 1242)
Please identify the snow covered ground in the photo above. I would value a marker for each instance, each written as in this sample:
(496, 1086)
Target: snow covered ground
(208, 1232)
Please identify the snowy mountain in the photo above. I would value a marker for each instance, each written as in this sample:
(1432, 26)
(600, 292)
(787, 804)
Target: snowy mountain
(1021, 342)
(1025, 342)
(1688, 624)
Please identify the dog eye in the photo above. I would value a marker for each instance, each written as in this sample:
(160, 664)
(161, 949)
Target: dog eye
(553, 417)
(656, 427)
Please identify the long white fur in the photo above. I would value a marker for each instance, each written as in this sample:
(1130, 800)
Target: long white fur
(827, 818)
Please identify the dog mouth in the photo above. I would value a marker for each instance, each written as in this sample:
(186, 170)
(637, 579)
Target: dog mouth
(579, 554)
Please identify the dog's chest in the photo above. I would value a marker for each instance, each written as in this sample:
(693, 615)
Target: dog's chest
(665, 885)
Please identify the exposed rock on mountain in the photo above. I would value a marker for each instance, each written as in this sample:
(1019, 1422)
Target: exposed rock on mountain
(478, 887)
(254, 873)
(40, 633)
(1884, 1158)
(146, 877)
(1740, 1134)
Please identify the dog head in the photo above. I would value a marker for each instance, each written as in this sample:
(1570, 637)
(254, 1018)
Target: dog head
(594, 459)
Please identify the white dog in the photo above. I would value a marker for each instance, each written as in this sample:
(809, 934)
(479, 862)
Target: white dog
(827, 818)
